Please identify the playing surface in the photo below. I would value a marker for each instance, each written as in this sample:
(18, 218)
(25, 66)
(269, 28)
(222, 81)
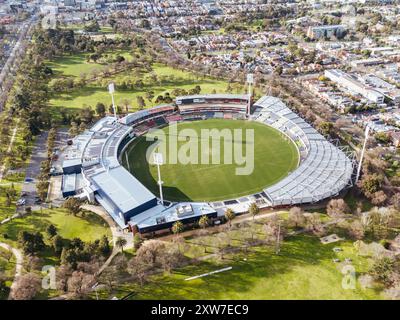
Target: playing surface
(274, 157)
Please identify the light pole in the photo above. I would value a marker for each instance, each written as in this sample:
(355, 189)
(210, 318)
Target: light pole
(362, 153)
(111, 90)
(250, 82)
(158, 160)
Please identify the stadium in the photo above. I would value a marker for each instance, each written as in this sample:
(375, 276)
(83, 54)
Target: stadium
(293, 163)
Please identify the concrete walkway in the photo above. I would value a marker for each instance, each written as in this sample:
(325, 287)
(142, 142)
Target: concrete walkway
(3, 167)
(18, 265)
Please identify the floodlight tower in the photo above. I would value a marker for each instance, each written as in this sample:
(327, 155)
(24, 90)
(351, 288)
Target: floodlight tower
(158, 160)
(111, 90)
(250, 82)
(362, 152)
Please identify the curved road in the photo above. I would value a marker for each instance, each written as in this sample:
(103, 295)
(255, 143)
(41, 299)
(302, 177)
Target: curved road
(18, 265)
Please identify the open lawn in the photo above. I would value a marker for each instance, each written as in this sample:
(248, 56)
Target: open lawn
(87, 228)
(274, 158)
(97, 91)
(303, 270)
(76, 64)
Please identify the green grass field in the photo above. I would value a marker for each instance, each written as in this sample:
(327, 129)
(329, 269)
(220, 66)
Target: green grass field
(303, 270)
(96, 92)
(274, 158)
(76, 64)
(88, 228)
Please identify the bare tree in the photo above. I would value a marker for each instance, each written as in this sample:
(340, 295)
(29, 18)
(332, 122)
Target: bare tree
(171, 258)
(27, 287)
(296, 217)
(356, 230)
(150, 251)
(139, 269)
(336, 208)
(80, 283)
(314, 224)
(379, 198)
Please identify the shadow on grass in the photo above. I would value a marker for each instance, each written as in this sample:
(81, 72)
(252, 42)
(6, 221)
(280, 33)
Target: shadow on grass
(260, 264)
(140, 168)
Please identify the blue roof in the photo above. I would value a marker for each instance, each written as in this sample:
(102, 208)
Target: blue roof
(123, 189)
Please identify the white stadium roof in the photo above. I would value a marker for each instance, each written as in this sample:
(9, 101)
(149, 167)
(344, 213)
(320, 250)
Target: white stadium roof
(324, 169)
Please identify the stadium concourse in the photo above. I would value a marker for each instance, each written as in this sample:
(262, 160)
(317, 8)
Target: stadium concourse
(91, 165)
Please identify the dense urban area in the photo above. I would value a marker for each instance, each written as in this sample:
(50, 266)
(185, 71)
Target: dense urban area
(332, 67)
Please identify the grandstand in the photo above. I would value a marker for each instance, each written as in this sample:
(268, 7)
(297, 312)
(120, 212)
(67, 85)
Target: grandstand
(212, 102)
(92, 164)
(324, 169)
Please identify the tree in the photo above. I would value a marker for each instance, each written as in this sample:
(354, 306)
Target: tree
(31, 242)
(141, 103)
(274, 231)
(378, 198)
(149, 251)
(100, 109)
(109, 277)
(137, 241)
(356, 230)
(104, 246)
(139, 269)
(314, 224)
(325, 127)
(229, 216)
(51, 230)
(382, 270)
(177, 227)
(395, 201)
(204, 221)
(254, 210)
(370, 183)
(120, 243)
(27, 287)
(296, 217)
(149, 95)
(170, 258)
(80, 283)
(73, 205)
(58, 244)
(336, 208)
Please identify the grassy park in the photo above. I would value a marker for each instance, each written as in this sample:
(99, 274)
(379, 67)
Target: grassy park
(89, 227)
(273, 159)
(302, 270)
(168, 79)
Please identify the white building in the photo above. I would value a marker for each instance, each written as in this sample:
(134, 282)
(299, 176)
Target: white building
(354, 86)
(319, 32)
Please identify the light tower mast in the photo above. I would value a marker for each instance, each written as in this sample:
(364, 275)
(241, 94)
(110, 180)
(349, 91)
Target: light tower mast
(362, 152)
(158, 160)
(111, 90)
(250, 82)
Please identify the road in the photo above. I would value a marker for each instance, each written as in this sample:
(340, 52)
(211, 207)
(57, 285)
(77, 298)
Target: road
(39, 154)
(18, 265)
(18, 50)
